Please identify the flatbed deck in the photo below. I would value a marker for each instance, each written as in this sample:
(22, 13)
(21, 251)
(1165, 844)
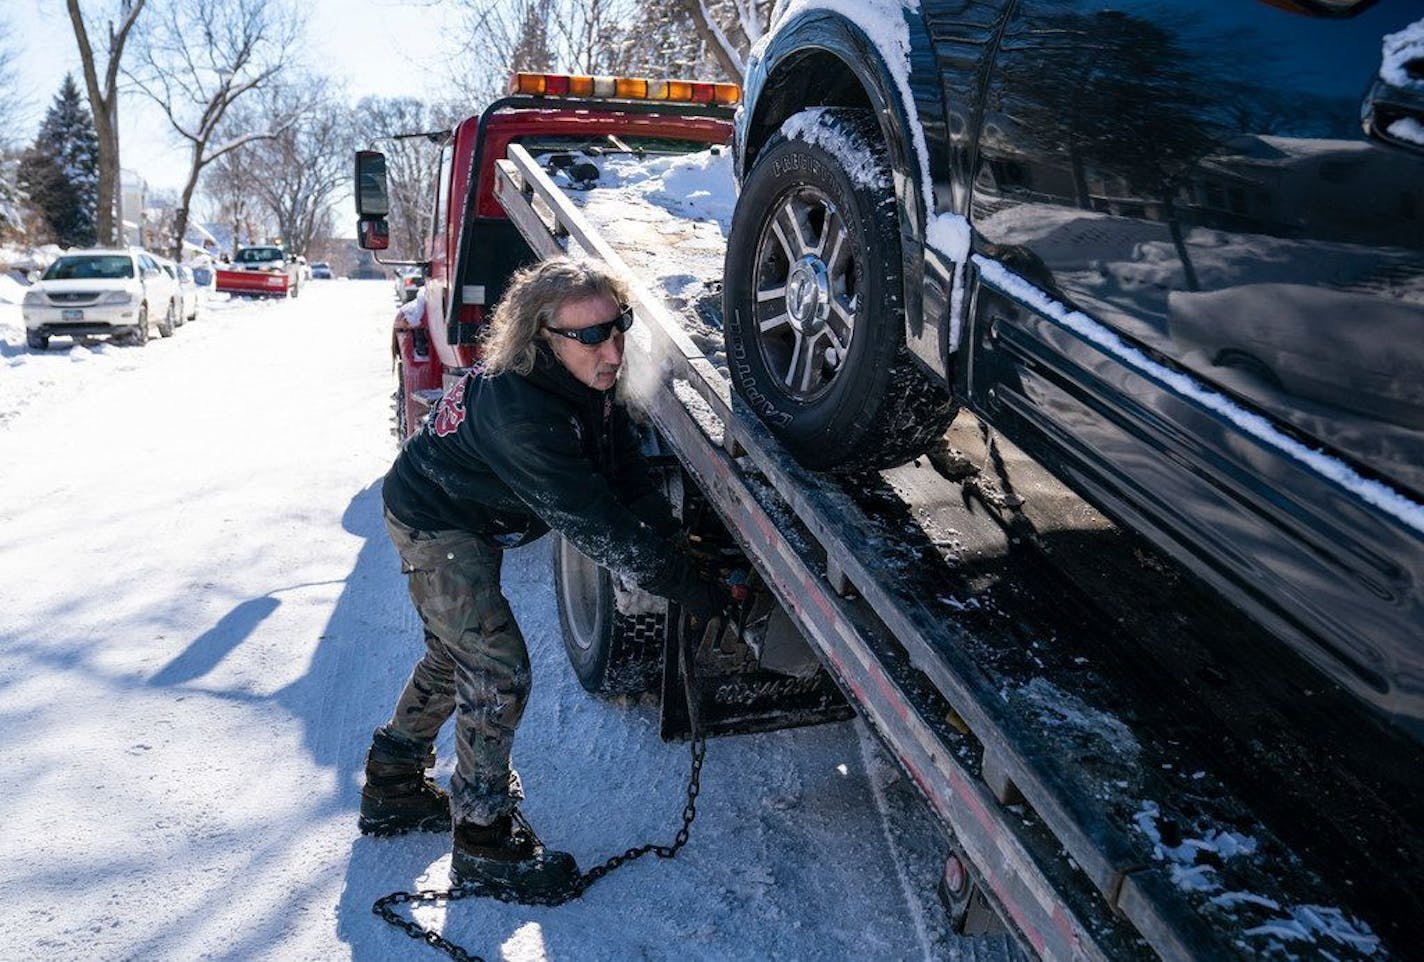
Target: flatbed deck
(1133, 770)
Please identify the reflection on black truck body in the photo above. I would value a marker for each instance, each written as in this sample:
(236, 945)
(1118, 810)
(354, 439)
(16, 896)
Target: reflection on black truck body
(1212, 219)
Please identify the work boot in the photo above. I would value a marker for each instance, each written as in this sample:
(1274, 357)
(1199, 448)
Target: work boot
(397, 797)
(508, 855)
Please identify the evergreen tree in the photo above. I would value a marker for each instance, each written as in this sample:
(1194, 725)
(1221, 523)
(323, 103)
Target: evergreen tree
(61, 170)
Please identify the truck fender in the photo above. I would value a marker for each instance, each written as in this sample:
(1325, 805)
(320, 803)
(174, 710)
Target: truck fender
(847, 69)
(852, 67)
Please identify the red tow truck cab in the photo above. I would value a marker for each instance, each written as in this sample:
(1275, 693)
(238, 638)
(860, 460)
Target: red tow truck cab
(473, 247)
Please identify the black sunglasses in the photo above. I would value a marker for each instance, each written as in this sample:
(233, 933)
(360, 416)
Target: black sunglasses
(598, 333)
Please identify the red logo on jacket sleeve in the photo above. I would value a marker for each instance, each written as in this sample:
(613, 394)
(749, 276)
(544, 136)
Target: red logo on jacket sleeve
(450, 412)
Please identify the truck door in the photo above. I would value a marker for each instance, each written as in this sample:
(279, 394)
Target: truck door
(1202, 300)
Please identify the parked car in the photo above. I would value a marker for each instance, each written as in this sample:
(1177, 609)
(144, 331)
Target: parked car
(409, 281)
(115, 293)
(1186, 279)
(321, 270)
(170, 268)
(192, 294)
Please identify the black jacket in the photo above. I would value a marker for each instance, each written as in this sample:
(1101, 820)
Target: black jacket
(510, 457)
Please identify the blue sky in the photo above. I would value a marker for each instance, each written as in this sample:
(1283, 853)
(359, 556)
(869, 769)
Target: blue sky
(376, 46)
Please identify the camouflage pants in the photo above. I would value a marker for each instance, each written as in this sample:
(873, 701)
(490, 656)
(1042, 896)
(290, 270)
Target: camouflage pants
(475, 666)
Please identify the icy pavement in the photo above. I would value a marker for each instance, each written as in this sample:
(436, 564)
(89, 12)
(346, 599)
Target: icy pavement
(203, 621)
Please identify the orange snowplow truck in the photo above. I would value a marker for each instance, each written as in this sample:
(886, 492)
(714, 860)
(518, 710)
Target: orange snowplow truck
(473, 247)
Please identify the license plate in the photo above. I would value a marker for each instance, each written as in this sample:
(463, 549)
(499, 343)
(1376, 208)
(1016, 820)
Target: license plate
(71, 314)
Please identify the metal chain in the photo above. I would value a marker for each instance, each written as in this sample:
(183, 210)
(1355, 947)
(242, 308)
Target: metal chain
(385, 906)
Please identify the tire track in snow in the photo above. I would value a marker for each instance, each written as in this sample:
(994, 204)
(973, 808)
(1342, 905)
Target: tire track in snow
(869, 751)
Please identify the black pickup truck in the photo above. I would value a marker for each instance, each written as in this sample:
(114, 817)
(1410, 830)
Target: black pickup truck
(1173, 249)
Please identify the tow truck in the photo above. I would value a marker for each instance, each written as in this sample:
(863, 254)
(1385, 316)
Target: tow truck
(1122, 767)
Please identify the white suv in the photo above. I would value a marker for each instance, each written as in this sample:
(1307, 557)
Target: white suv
(115, 292)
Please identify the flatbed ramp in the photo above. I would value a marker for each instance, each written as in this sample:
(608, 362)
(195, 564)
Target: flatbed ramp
(1130, 769)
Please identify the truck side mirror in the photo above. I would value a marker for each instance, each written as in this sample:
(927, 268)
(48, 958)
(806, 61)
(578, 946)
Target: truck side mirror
(373, 233)
(372, 199)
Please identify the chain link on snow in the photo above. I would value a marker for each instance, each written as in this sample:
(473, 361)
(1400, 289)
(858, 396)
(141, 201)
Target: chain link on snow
(385, 907)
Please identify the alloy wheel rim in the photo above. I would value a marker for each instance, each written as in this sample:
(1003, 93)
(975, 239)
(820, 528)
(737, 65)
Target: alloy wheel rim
(807, 284)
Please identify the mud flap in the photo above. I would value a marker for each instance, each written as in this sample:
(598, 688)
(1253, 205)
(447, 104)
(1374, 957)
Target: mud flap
(735, 694)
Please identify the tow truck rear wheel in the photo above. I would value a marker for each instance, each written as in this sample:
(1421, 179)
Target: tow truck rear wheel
(612, 651)
(814, 300)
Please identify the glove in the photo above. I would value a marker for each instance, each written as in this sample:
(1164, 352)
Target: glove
(738, 582)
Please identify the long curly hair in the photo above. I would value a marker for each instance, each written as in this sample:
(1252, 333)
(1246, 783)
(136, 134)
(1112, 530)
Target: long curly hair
(531, 300)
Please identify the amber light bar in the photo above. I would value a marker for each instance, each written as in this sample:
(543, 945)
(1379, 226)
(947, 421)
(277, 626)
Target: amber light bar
(624, 88)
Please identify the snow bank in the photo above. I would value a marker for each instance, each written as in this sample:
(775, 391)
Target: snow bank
(11, 290)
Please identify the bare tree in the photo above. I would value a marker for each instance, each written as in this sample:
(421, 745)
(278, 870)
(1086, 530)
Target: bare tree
(504, 37)
(230, 182)
(12, 196)
(689, 38)
(730, 28)
(200, 57)
(104, 103)
(590, 35)
(412, 163)
(12, 104)
(324, 245)
(662, 40)
(307, 164)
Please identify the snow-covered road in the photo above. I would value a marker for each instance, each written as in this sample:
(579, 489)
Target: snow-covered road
(202, 622)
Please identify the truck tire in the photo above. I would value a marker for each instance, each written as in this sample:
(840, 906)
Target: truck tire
(814, 300)
(37, 342)
(612, 652)
(169, 324)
